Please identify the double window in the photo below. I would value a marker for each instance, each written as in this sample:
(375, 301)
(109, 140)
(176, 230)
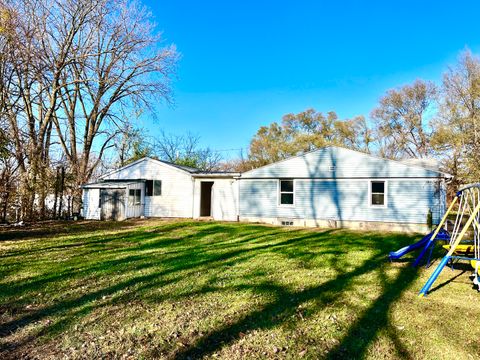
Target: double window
(153, 188)
(378, 194)
(287, 192)
(134, 196)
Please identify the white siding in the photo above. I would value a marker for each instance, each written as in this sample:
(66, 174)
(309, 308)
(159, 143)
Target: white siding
(224, 198)
(408, 201)
(224, 201)
(91, 198)
(135, 210)
(177, 187)
(176, 198)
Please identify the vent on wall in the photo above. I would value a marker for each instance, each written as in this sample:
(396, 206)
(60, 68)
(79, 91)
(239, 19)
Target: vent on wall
(287, 223)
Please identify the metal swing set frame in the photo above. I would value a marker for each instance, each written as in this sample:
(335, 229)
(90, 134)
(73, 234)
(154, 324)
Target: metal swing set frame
(468, 199)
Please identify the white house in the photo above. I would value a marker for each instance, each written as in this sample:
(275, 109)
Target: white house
(155, 188)
(331, 186)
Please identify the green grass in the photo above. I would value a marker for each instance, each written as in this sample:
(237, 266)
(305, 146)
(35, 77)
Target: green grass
(185, 289)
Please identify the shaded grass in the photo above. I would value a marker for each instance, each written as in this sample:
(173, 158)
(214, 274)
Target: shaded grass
(185, 289)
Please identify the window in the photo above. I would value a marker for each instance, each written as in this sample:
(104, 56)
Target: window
(377, 193)
(153, 188)
(286, 192)
(134, 196)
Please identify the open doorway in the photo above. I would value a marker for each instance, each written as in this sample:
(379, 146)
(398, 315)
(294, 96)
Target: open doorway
(206, 198)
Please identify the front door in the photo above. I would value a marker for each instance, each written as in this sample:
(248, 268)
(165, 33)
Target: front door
(134, 203)
(206, 198)
(112, 205)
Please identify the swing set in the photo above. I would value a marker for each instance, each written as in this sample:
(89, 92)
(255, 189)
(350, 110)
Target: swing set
(467, 221)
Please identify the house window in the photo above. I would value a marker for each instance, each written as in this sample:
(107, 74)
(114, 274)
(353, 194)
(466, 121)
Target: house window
(153, 188)
(377, 193)
(287, 196)
(134, 196)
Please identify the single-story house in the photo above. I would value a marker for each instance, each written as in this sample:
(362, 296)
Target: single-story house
(328, 187)
(155, 188)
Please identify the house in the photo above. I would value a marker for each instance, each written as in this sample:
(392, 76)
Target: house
(338, 187)
(328, 187)
(155, 188)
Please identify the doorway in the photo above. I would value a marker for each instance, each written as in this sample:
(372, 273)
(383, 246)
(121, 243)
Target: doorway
(206, 198)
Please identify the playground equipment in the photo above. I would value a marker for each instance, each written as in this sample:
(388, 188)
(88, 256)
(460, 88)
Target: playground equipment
(425, 243)
(468, 198)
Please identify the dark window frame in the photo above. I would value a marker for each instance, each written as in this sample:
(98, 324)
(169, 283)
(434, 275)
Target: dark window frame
(376, 194)
(286, 192)
(151, 187)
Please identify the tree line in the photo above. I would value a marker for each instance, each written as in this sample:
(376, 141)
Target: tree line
(419, 120)
(76, 74)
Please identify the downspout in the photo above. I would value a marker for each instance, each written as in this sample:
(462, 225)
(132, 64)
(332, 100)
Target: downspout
(193, 197)
(238, 197)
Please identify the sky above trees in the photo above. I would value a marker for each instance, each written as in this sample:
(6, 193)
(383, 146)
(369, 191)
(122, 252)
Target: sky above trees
(246, 64)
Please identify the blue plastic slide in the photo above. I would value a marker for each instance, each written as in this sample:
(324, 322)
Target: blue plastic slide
(406, 249)
(424, 242)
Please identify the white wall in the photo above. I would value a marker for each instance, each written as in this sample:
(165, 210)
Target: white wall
(135, 210)
(224, 198)
(91, 198)
(177, 188)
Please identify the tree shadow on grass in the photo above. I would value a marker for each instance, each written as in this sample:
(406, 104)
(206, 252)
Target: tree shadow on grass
(212, 247)
(277, 312)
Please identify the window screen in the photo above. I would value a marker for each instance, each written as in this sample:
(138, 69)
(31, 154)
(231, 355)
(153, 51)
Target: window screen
(153, 187)
(377, 193)
(286, 192)
(149, 188)
(157, 187)
(131, 196)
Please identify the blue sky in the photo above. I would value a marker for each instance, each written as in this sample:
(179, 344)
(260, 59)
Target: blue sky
(247, 63)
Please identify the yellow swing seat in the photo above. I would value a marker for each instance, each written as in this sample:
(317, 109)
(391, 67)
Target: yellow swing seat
(463, 250)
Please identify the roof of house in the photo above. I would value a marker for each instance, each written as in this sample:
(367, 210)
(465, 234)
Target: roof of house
(116, 184)
(319, 161)
(188, 169)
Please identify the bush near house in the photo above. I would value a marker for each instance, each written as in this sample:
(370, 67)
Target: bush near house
(185, 289)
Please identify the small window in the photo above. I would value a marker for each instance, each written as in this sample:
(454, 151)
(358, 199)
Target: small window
(134, 196)
(377, 191)
(131, 196)
(138, 196)
(153, 188)
(286, 192)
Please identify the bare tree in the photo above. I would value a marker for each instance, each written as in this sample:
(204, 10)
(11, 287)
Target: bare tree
(185, 150)
(457, 134)
(402, 123)
(72, 74)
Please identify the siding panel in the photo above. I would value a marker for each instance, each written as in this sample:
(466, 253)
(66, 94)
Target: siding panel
(177, 188)
(408, 200)
(91, 198)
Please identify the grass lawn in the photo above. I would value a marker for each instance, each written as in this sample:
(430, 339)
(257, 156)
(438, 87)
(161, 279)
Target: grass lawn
(185, 289)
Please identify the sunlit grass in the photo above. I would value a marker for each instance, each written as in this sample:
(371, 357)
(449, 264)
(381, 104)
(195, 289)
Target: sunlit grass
(185, 289)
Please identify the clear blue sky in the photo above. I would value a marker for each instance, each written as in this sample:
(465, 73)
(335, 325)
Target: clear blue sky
(247, 63)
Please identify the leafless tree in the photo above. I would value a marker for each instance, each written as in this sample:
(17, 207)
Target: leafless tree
(73, 72)
(185, 150)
